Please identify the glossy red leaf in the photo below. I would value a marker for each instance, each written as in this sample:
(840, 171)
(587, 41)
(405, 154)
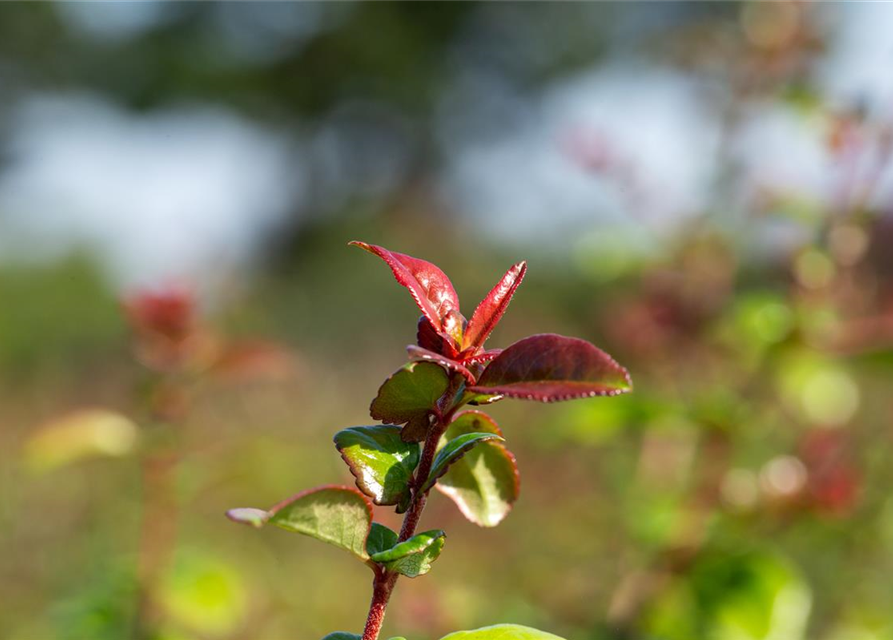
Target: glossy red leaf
(429, 286)
(431, 339)
(418, 354)
(493, 306)
(548, 367)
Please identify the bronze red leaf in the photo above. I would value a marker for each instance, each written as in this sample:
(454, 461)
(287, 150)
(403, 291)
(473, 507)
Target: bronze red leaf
(429, 286)
(548, 368)
(493, 306)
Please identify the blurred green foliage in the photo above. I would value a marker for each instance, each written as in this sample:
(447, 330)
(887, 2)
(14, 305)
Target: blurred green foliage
(741, 493)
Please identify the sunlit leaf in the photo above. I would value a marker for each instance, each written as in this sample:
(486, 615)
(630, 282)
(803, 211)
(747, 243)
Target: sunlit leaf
(548, 367)
(409, 396)
(381, 538)
(493, 306)
(480, 399)
(381, 462)
(78, 435)
(342, 635)
(485, 482)
(418, 354)
(414, 557)
(502, 632)
(429, 287)
(453, 451)
(340, 516)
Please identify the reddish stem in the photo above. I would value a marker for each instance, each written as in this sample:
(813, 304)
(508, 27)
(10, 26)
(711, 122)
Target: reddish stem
(381, 594)
(384, 582)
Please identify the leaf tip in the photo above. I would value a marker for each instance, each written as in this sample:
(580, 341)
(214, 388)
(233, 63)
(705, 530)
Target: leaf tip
(362, 245)
(249, 516)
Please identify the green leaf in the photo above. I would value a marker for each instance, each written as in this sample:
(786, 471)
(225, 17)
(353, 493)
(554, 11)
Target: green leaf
(414, 557)
(485, 483)
(381, 538)
(409, 396)
(380, 461)
(453, 451)
(340, 516)
(342, 635)
(478, 399)
(502, 632)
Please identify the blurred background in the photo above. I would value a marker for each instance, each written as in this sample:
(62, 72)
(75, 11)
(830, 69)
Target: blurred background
(702, 189)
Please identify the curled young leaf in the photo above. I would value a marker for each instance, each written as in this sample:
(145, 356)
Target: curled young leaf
(493, 306)
(502, 632)
(485, 483)
(339, 516)
(431, 339)
(548, 367)
(429, 287)
(453, 451)
(410, 396)
(414, 557)
(381, 462)
(418, 354)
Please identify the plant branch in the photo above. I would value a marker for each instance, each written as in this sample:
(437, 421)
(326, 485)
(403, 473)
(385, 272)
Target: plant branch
(384, 582)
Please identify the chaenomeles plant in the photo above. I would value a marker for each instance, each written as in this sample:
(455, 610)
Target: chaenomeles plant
(426, 442)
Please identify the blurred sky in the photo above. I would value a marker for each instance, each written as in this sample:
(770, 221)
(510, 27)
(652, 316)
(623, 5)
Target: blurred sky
(193, 189)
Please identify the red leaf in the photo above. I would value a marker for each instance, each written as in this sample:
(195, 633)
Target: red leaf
(418, 354)
(493, 306)
(429, 286)
(482, 358)
(433, 340)
(549, 367)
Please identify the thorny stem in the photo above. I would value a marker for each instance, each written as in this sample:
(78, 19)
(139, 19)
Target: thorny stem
(384, 582)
